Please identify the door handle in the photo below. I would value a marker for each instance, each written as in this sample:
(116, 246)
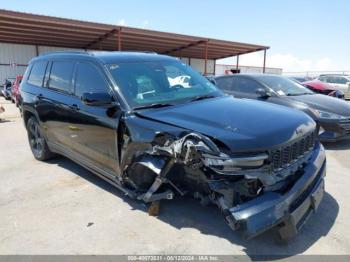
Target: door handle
(74, 107)
(40, 96)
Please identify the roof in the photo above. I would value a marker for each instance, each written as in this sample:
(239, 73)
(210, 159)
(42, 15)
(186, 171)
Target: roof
(335, 75)
(106, 57)
(25, 28)
(254, 75)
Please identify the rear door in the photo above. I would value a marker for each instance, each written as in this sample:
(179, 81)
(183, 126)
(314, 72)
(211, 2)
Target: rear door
(56, 100)
(93, 129)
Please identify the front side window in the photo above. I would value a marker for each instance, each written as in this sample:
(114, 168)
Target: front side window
(283, 86)
(36, 75)
(225, 83)
(89, 80)
(61, 76)
(323, 78)
(330, 79)
(246, 85)
(146, 83)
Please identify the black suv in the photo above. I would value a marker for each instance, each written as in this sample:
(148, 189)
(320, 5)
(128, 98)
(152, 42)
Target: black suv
(132, 119)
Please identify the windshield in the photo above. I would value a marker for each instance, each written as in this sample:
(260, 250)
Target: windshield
(160, 82)
(284, 86)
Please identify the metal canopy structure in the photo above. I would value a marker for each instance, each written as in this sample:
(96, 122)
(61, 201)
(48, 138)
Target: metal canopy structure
(24, 28)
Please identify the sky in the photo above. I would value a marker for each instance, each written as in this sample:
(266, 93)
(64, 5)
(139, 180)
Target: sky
(304, 35)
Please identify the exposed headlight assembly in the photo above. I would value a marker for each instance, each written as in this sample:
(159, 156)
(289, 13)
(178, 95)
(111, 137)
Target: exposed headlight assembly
(226, 164)
(328, 115)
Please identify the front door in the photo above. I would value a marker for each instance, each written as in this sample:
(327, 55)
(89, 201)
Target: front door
(93, 129)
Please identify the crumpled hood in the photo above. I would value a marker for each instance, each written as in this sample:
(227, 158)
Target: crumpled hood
(324, 103)
(241, 124)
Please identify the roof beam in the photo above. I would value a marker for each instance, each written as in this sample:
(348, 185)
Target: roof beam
(45, 36)
(101, 38)
(243, 53)
(185, 46)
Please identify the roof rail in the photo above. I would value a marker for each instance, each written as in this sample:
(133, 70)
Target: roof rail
(91, 52)
(67, 51)
(140, 51)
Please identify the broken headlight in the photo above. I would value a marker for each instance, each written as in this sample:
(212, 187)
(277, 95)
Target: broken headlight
(226, 164)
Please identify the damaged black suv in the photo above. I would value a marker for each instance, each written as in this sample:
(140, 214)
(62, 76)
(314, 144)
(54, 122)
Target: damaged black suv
(155, 128)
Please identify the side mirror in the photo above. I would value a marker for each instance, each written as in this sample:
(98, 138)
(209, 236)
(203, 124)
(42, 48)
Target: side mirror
(262, 93)
(97, 99)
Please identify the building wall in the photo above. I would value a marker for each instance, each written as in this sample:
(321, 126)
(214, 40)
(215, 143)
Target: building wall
(15, 57)
(224, 69)
(199, 65)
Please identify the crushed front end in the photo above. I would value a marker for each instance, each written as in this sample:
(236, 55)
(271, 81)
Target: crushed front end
(255, 191)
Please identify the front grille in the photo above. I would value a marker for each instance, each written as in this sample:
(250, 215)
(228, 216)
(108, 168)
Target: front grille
(286, 155)
(345, 124)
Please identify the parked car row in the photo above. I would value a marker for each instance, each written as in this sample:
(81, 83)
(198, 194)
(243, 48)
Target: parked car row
(340, 82)
(332, 114)
(10, 89)
(328, 84)
(118, 115)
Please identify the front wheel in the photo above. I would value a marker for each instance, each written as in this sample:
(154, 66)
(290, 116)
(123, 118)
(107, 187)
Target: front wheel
(37, 141)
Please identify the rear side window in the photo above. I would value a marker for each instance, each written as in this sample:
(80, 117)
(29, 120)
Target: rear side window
(340, 80)
(61, 76)
(89, 80)
(36, 75)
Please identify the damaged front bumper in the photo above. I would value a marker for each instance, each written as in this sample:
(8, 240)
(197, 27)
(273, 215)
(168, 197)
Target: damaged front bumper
(289, 211)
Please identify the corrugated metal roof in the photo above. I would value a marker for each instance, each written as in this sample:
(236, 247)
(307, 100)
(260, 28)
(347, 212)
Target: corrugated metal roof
(24, 28)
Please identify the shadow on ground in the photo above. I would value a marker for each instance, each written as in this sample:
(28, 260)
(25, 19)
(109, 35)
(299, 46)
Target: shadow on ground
(188, 213)
(4, 120)
(339, 145)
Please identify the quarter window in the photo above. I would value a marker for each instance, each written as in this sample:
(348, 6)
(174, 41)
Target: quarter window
(36, 75)
(89, 80)
(61, 76)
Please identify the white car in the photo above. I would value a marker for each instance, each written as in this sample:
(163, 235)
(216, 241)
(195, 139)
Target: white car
(340, 82)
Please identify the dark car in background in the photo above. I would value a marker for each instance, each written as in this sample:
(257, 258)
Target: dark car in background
(122, 116)
(6, 90)
(301, 79)
(331, 113)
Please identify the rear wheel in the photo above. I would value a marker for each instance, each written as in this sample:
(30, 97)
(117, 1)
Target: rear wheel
(37, 141)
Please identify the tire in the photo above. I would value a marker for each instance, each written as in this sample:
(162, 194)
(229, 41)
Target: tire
(37, 141)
